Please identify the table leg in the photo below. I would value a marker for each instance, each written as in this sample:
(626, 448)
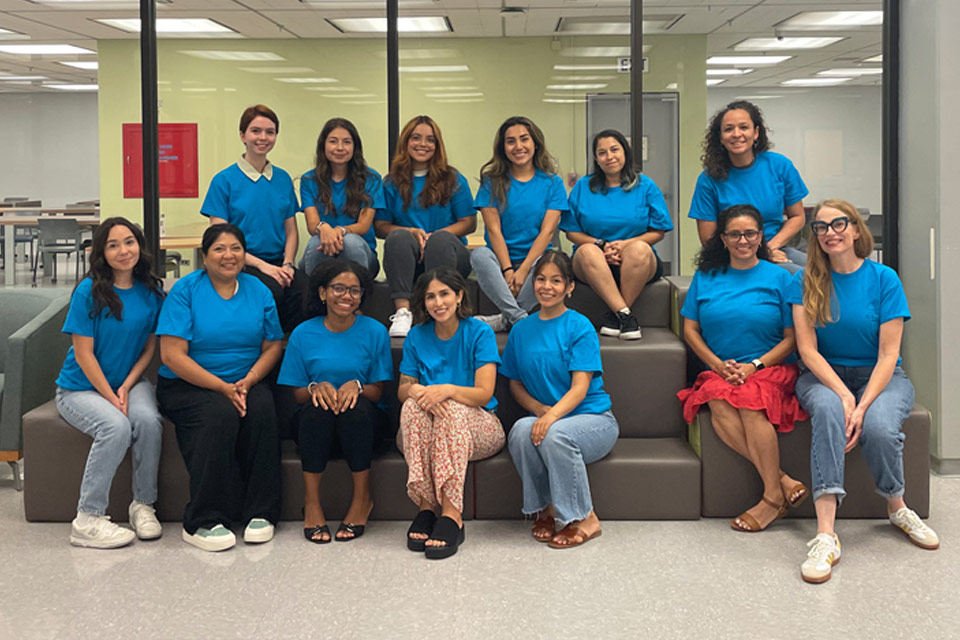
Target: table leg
(10, 262)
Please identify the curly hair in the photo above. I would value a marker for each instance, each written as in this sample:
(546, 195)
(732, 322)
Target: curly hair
(357, 173)
(715, 158)
(628, 175)
(447, 276)
(497, 168)
(714, 254)
(323, 274)
(441, 178)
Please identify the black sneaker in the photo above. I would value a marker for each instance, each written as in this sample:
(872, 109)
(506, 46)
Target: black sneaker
(629, 326)
(610, 326)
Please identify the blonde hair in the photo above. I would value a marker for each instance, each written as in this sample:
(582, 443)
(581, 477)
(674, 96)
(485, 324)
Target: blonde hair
(817, 283)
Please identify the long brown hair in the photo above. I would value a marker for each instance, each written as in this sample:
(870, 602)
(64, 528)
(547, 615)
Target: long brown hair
(441, 178)
(497, 168)
(817, 282)
(357, 172)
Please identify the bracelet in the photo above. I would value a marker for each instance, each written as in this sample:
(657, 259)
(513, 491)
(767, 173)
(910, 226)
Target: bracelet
(310, 386)
(289, 264)
(359, 386)
(505, 269)
(255, 374)
(316, 229)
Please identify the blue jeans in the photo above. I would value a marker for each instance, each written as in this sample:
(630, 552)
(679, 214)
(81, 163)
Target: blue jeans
(881, 439)
(354, 248)
(490, 278)
(555, 472)
(113, 433)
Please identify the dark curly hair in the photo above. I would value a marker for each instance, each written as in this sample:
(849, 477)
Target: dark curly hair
(714, 255)
(323, 274)
(715, 158)
(102, 274)
(447, 276)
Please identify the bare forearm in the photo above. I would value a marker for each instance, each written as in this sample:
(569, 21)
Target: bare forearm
(462, 227)
(525, 400)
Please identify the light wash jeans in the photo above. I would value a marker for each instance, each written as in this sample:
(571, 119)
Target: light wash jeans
(490, 278)
(881, 439)
(113, 433)
(354, 248)
(555, 472)
(797, 258)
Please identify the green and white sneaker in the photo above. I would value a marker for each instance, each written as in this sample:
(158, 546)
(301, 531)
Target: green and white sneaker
(823, 554)
(258, 530)
(219, 538)
(911, 524)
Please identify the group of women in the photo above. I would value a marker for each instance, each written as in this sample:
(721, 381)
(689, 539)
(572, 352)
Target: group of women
(221, 332)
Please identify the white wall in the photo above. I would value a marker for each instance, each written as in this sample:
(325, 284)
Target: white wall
(832, 135)
(52, 147)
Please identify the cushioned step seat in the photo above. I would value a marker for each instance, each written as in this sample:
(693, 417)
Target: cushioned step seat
(731, 483)
(641, 479)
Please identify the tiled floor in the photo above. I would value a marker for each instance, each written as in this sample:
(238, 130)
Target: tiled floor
(639, 580)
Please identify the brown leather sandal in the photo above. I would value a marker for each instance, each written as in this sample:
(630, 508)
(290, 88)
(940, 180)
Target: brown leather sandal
(544, 528)
(748, 524)
(796, 494)
(572, 536)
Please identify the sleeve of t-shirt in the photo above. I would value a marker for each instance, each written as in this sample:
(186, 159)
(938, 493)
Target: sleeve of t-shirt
(462, 201)
(794, 189)
(795, 289)
(585, 349)
(79, 322)
(392, 203)
(410, 362)
(217, 201)
(309, 189)
(484, 196)
(381, 365)
(786, 309)
(893, 300)
(271, 320)
(485, 346)
(293, 373)
(570, 219)
(292, 199)
(704, 205)
(374, 189)
(176, 316)
(657, 207)
(508, 366)
(691, 306)
(557, 196)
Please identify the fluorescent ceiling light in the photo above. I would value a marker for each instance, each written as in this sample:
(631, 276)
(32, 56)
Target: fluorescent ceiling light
(585, 67)
(7, 34)
(877, 59)
(361, 102)
(824, 20)
(608, 26)
(564, 100)
(728, 72)
(169, 25)
(356, 95)
(672, 86)
(712, 82)
(42, 49)
(307, 80)
(440, 78)
(776, 44)
(814, 82)
(199, 89)
(21, 78)
(242, 56)
(278, 69)
(450, 68)
(95, 4)
(451, 88)
(585, 86)
(851, 72)
(459, 100)
(475, 94)
(747, 61)
(328, 89)
(73, 87)
(576, 78)
(364, 4)
(596, 52)
(420, 24)
(90, 65)
(424, 54)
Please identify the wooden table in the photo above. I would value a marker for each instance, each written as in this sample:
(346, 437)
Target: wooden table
(13, 218)
(182, 242)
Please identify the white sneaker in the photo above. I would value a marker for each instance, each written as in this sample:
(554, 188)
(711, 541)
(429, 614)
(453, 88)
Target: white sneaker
(911, 524)
(98, 532)
(258, 530)
(143, 519)
(824, 553)
(497, 322)
(219, 538)
(400, 323)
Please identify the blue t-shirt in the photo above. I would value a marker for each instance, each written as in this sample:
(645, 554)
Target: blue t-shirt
(527, 205)
(861, 301)
(373, 189)
(455, 361)
(771, 184)
(543, 354)
(316, 354)
(743, 312)
(432, 218)
(616, 214)
(224, 336)
(259, 208)
(116, 344)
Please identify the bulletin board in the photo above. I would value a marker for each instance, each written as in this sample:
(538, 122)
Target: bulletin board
(178, 170)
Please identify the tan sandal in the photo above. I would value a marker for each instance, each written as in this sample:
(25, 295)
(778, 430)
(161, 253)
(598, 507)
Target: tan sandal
(571, 536)
(748, 524)
(796, 494)
(544, 528)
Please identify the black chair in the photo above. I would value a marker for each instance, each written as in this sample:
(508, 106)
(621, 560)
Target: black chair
(60, 236)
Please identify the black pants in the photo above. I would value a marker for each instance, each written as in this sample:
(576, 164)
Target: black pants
(289, 299)
(354, 434)
(233, 461)
(401, 258)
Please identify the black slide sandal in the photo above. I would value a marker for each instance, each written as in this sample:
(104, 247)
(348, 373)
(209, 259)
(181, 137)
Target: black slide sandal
(446, 530)
(310, 532)
(423, 523)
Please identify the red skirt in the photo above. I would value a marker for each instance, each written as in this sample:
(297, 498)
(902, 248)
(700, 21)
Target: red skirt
(769, 390)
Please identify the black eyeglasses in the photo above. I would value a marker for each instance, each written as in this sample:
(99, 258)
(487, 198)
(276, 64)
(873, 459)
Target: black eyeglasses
(838, 225)
(340, 289)
(734, 236)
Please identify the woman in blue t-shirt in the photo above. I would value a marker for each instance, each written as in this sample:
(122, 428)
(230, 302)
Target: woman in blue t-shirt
(258, 198)
(427, 215)
(739, 324)
(849, 313)
(521, 198)
(447, 378)
(739, 168)
(337, 362)
(615, 218)
(338, 197)
(219, 338)
(553, 362)
(100, 390)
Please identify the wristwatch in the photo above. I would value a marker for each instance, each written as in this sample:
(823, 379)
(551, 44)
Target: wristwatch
(600, 242)
(757, 363)
(359, 386)
(289, 264)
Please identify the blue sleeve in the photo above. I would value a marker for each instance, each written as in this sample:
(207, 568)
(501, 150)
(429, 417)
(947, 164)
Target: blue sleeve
(462, 201)
(704, 204)
(176, 316)
(374, 189)
(485, 346)
(484, 196)
(570, 219)
(381, 366)
(293, 373)
(691, 306)
(657, 207)
(392, 202)
(794, 190)
(217, 201)
(786, 309)
(557, 196)
(585, 349)
(309, 189)
(795, 289)
(410, 362)
(893, 300)
(79, 322)
(292, 199)
(271, 321)
(508, 366)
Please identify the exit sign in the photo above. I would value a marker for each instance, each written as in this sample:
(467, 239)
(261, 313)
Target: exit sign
(625, 65)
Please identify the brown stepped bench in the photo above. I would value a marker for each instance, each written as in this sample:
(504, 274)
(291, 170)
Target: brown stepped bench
(652, 472)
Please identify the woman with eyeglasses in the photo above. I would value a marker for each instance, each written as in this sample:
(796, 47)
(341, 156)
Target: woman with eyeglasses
(337, 362)
(738, 322)
(739, 168)
(849, 313)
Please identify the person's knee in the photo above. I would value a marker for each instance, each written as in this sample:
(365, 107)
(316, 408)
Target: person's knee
(557, 441)
(520, 432)
(880, 432)
(588, 254)
(480, 256)
(115, 431)
(638, 252)
(398, 239)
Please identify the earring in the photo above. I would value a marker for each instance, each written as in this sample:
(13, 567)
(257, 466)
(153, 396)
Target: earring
(570, 295)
